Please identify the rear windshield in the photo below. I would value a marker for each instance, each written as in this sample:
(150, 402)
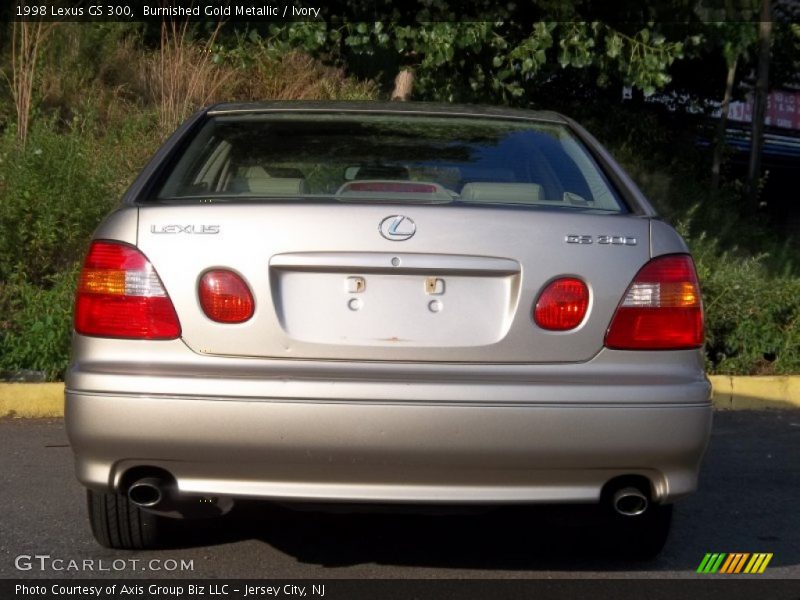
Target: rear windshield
(387, 158)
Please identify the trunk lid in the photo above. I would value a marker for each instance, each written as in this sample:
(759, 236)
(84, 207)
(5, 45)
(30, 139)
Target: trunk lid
(327, 284)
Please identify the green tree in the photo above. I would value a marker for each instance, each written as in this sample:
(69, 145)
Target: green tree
(491, 61)
(735, 41)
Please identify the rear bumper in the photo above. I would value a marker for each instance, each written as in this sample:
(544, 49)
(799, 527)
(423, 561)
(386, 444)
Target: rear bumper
(394, 441)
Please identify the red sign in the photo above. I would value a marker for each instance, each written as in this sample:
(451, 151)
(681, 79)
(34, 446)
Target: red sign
(783, 110)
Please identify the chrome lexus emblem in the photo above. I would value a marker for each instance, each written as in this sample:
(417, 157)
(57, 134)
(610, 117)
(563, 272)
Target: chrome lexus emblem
(397, 228)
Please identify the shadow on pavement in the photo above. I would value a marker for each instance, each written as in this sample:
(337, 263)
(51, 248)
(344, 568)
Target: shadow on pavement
(541, 537)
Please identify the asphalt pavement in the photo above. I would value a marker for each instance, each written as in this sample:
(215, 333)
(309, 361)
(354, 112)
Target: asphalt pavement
(749, 501)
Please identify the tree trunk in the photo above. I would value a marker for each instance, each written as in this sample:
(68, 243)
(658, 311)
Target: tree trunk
(27, 38)
(759, 104)
(722, 125)
(403, 84)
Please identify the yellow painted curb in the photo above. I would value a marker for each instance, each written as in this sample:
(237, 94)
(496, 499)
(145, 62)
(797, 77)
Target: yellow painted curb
(754, 393)
(31, 400)
(26, 400)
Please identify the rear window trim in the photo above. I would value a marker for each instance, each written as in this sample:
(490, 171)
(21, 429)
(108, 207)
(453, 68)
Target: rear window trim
(383, 111)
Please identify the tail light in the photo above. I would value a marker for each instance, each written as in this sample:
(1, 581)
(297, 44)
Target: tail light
(662, 308)
(120, 295)
(225, 297)
(562, 305)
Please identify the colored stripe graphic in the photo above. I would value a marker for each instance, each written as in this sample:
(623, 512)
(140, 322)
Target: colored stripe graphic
(704, 563)
(758, 563)
(734, 563)
(711, 563)
(732, 558)
(741, 562)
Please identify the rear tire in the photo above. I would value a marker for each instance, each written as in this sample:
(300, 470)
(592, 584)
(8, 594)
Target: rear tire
(118, 523)
(641, 537)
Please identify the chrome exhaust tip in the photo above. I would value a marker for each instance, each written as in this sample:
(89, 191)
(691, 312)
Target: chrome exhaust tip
(630, 501)
(147, 492)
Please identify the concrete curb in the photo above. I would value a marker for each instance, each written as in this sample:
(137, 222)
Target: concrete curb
(37, 400)
(30, 400)
(755, 393)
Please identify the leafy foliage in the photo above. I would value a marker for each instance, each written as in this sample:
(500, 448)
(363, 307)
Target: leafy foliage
(52, 195)
(36, 334)
(752, 315)
(490, 61)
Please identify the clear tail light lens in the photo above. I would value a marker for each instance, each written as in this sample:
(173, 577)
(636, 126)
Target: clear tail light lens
(225, 297)
(120, 295)
(662, 308)
(562, 304)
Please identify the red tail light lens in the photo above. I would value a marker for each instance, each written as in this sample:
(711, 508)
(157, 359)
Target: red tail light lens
(225, 297)
(120, 295)
(562, 305)
(662, 309)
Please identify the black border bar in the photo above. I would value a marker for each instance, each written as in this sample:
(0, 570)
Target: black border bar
(408, 11)
(702, 588)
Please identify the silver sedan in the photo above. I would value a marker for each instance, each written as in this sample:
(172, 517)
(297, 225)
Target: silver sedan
(385, 304)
